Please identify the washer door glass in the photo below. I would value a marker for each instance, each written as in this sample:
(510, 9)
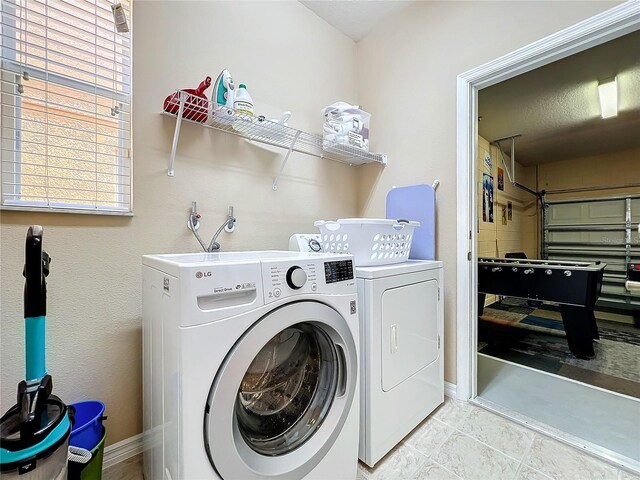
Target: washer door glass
(287, 390)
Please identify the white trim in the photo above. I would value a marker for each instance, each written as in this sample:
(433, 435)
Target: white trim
(450, 390)
(89, 211)
(123, 450)
(613, 23)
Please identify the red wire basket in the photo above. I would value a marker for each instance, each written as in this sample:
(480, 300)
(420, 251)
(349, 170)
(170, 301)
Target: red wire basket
(196, 105)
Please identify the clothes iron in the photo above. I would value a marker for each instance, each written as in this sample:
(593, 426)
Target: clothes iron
(224, 89)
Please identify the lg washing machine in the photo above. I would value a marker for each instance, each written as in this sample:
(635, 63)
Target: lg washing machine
(250, 366)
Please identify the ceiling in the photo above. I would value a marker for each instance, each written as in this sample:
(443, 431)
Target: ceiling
(352, 17)
(556, 109)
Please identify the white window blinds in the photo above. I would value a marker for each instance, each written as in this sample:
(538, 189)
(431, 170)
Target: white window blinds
(66, 122)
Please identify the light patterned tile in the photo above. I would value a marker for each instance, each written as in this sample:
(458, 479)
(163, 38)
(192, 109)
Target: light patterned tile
(401, 463)
(498, 432)
(472, 460)
(130, 469)
(429, 436)
(624, 475)
(528, 473)
(361, 474)
(453, 412)
(433, 471)
(561, 462)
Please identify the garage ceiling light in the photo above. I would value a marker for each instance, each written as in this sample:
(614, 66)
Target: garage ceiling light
(608, 96)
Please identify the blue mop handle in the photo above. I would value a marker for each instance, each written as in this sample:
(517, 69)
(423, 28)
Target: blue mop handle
(36, 268)
(35, 348)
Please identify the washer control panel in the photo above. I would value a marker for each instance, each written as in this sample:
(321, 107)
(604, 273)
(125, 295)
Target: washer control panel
(338, 271)
(306, 276)
(296, 277)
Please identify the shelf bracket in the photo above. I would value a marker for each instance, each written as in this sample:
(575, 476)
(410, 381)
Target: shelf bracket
(284, 162)
(511, 173)
(176, 135)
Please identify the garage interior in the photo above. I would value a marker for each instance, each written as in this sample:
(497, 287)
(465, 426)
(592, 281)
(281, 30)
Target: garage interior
(558, 182)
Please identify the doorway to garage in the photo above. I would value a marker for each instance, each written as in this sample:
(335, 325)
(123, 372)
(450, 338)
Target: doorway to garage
(552, 339)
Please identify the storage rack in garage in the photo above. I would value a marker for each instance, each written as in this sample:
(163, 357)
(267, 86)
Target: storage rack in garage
(596, 229)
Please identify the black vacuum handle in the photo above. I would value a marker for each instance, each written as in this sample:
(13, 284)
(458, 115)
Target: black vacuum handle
(36, 268)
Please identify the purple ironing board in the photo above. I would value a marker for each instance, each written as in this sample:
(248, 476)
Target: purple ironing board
(416, 202)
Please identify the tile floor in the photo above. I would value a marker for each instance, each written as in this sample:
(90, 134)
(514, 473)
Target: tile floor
(461, 441)
(130, 469)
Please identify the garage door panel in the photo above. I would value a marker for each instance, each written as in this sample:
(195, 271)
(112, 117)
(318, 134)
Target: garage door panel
(612, 237)
(575, 233)
(583, 212)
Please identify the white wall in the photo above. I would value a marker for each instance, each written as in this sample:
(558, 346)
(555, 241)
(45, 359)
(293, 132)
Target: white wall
(291, 60)
(407, 69)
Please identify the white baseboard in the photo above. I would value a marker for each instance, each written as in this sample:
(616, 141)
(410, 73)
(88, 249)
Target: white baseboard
(123, 450)
(450, 390)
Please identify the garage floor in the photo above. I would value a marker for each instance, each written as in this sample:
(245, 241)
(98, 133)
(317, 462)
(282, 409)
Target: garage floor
(602, 420)
(513, 331)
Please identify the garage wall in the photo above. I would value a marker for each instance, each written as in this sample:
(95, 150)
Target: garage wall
(407, 69)
(282, 51)
(616, 168)
(520, 233)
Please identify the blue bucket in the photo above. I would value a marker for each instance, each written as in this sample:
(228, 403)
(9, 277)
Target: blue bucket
(87, 426)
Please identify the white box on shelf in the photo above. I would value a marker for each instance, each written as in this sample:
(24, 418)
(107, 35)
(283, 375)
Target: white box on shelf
(346, 124)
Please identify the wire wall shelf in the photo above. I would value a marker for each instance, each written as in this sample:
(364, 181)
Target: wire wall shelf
(186, 107)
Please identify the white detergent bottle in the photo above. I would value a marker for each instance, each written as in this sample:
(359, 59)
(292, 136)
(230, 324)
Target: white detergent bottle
(242, 102)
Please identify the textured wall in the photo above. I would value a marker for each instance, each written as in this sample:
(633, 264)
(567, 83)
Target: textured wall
(520, 233)
(407, 69)
(291, 60)
(615, 168)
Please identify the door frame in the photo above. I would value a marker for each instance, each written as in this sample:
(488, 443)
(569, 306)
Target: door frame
(601, 28)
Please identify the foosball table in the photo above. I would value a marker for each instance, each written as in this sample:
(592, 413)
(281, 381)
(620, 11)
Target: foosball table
(575, 286)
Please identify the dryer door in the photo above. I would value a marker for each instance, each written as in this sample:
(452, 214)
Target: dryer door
(409, 331)
(281, 397)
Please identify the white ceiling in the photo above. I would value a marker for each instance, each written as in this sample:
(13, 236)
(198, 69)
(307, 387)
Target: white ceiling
(354, 18)
(556, 110)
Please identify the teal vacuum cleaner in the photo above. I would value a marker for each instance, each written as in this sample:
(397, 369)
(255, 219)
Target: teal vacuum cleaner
(34, 433)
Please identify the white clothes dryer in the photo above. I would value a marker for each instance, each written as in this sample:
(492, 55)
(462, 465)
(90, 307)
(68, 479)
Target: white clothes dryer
(250, 366)
(401, 361)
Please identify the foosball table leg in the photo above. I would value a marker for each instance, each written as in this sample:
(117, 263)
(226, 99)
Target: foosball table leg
(481, 299)
(581, 329)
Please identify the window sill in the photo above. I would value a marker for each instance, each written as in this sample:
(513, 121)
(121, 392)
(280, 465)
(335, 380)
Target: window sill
(82, 211)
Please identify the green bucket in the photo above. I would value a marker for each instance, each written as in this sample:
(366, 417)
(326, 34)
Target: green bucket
(91, 470)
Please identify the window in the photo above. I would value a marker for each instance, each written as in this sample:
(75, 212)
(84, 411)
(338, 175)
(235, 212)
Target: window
(65, 98)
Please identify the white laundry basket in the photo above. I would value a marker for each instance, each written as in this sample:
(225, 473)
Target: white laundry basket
(372, 241)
